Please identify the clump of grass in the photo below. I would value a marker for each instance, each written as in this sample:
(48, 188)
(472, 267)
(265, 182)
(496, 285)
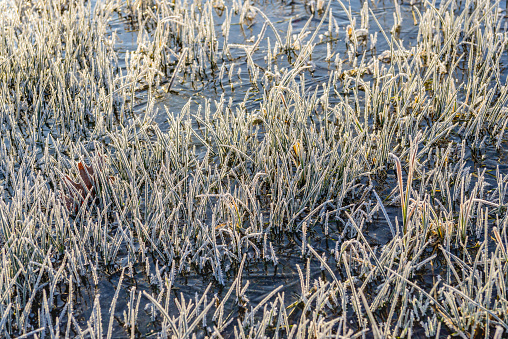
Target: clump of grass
(227, 184)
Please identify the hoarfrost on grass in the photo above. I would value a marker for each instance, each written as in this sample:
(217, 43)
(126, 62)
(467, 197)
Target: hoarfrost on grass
(93, 188)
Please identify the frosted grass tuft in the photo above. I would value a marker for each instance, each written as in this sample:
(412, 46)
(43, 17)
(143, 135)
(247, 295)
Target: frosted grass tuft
(287, 167)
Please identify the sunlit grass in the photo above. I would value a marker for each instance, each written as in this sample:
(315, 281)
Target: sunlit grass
(93, 188)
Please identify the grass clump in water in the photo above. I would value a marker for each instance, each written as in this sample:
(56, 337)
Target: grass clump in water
(356, 170)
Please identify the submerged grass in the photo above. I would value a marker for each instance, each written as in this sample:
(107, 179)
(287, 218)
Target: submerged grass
(94, 189)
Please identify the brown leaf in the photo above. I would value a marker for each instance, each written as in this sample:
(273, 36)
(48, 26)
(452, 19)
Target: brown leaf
(68, 202)
(73, 187)
(77, 191)
(86, 174)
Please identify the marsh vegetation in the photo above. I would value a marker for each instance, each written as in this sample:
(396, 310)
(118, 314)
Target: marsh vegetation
(253, 169)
